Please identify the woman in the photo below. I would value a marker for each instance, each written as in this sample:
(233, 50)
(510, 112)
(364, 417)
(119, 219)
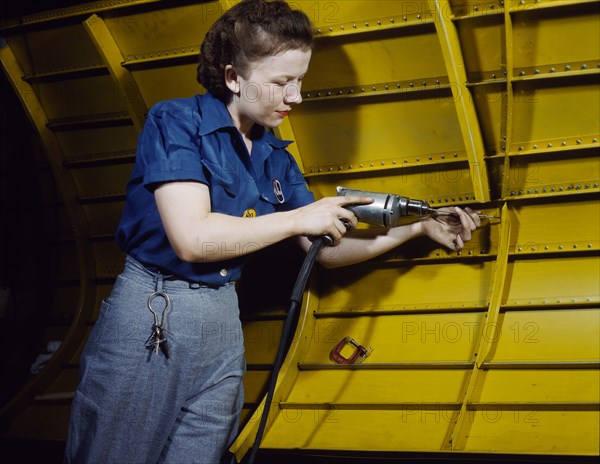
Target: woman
(211, 184)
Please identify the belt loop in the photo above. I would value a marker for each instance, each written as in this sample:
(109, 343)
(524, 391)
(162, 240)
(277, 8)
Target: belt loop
(159, 282)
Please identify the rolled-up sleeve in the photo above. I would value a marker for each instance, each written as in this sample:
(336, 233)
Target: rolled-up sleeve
(169, 147)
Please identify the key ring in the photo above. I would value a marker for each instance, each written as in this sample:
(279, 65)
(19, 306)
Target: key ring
(163, 320)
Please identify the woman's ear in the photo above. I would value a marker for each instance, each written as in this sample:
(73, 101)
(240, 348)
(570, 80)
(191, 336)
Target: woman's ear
(231, 79)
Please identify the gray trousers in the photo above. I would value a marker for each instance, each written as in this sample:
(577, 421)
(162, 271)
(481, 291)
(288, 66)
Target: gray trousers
(136, 406)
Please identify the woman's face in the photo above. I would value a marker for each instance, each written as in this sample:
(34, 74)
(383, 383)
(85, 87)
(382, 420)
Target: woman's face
(272, 87)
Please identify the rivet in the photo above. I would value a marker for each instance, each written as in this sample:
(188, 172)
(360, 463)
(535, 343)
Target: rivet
(418, 16)
(367, 24)
(411, 84)
(536, 191)
(319, 31)
(424, 84)
(360, 165)
(362, 89)
(430, 158)
(331, 169)
(552, 70)
(379, 23)
(418, 159)
(340, 92)
(387, 87)
(329, 94)
(575, 246)
(563, 143)
(578, 187)
(340, 168)
(528, 192)
(350, 167)
(546, 247)
(455, 155)
(589, 245)
(374, 88)
(522, 73)
(443, 156)
(372, 165)
(394, 162)
(308, 95)
(535, 146)
(475, 8)
(520, 148)
(568, 67)
(354, 26)
(391, 20)
(532, 248)
(494, 75)
(351, 90)
(342, 27)
(549, 145)
(594, 140)
(318, 94)
(398, 85)
(587, 186)
(584, 66)
(537, 71)
(404, 18)
(578, 142)
(331, 29)
(406, 161)
(560, 247)
(544, 190)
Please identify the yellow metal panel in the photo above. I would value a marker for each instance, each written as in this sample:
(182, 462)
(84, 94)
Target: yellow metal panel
(165, 30)
(82, 142)
(351, 133)
(400, 288)
(358, 61)
(81, 97)
(482, 43)
(535, 431)
(550, 37)
(378, 386)
(538, 386)
(402, 338)
(48, 50)
(575, 226)
(547, 336)
(418, 429)
(176, 81)
(554, 281)
(545, 112)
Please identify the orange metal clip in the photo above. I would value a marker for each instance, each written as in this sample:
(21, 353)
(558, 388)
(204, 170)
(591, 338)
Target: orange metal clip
(356, 358)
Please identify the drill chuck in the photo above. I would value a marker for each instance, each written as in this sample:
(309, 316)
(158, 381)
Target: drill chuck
(386, 208)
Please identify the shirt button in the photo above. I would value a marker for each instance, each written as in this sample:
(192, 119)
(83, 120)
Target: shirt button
(223, 272)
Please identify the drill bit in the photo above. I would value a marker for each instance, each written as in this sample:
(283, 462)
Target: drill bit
(452, 213)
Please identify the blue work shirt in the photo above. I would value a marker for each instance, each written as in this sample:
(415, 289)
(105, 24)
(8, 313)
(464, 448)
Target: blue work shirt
(194, 139)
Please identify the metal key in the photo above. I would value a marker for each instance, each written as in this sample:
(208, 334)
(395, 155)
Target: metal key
(158, 338)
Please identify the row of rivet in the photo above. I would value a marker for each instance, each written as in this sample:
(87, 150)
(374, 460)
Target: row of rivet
(554, 189)
(367, 24)
(552, 69)
(75, 10)
(547, 247)
(373, 164)
(402, 86)
(162, 54)
(563, 143)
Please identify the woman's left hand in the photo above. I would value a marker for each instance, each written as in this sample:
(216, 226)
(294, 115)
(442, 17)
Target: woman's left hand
(451, 230)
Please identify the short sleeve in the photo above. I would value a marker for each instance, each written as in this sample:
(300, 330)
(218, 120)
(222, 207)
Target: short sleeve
(300, 196)
(169, 146)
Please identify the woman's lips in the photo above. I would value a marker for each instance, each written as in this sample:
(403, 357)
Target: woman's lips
(283, 113)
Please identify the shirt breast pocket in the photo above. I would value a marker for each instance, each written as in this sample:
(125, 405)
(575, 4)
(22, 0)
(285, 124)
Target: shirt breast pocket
(224, 185)
(276, 192)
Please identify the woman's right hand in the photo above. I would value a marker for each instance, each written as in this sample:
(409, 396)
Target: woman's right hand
(327, 217)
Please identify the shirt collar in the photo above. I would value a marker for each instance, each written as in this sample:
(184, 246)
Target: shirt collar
(215, 116)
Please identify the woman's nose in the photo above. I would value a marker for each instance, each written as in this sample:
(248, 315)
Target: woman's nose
(292, 93)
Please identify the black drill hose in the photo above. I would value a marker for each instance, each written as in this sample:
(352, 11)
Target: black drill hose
(290, 322)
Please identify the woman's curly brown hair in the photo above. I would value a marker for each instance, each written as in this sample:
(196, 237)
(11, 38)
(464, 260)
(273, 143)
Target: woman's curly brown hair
(251, 30)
